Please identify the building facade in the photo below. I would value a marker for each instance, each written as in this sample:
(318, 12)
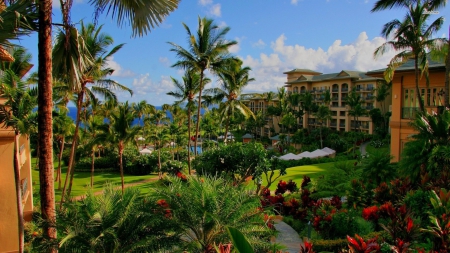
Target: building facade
(405, 103)
(339, 85)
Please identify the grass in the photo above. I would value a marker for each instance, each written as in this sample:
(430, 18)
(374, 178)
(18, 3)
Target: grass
(296, 174)
(82, 180)
(384, 148)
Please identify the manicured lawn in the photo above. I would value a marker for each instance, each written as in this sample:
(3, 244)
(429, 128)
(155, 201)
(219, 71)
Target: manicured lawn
(384, 148)
(296, 173)
(82, 180)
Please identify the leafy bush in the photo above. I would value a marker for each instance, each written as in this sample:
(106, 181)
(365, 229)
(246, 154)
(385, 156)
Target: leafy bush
(100, 164)
(338, 244)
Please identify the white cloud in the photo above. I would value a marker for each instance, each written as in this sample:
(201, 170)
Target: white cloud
(144, 85)
(205, 2)
(235, 48)
(294, 2)
(164, 60)
(216, 10)
(268, 69)
(259, 44)
(118, 70)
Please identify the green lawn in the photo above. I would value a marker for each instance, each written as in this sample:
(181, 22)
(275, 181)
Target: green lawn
(296, 173)
(384, 148)
(82, 180)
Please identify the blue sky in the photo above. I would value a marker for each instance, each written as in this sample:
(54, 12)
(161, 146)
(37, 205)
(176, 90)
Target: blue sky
(273, 36)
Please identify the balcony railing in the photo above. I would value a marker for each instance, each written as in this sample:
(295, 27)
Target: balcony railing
(335, 90)
(369, 107)
(369, 98)
(303, 91)
(369, 89)
(312, 91)
(333, 124)
(335, 98)
(344, 89)
(341, 124)
(409, 112)
(358, 89)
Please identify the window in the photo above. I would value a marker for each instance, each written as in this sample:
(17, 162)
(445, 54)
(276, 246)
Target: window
(342, 113)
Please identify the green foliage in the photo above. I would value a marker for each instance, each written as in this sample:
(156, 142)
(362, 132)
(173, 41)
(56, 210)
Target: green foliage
(111, 222)
(418, 202)
(202, 208)
(338, 182)
(338, 245)
(239, 241)
(377, 167)
(236, 161)
(100, 164)
(358, 195)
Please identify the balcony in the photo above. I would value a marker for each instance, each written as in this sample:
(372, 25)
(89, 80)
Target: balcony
(369, 98)
(368, 89)
(409, 112)
(312, 91)
(335, 98)
(302, 91)
(358, 88)
(369, 107)
(320, 91)
(344, 90)
(333, 124)
(335, 90)
(342, 125)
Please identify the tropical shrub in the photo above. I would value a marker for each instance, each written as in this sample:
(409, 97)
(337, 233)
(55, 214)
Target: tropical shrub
(236, 161)
(111, 222)
(100, 164)
(201, 208)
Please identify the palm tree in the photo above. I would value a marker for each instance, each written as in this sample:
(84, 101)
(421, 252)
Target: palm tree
(307, 104)
(232, 82)
(207, 51)
(140, 109)
(63, 126)
(15, 113)
(119, 132)
(412, 37)
(441, 54)
(382, 91)
(323, 114)
(186, 92)
(94, 51)
(150, 14)
(354, 101)
(115, 221)
(381, 5)
(211, 204)
(92, 130)
(160, 138)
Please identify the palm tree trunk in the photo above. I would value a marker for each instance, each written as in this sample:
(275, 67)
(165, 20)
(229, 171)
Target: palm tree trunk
(159, 161)
(61, 149)
(121, 165)
(321, 141)
(92, 167)
(197, 128)
(419, 97)
(189, 140)
(18, 191)
(45, 126)
(70, 166)
(227, 126)
(447, 77)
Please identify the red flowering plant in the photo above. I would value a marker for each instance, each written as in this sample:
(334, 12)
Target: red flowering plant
(308, 248)
(371, 213)
(323, 215)
(359, 245)
(284, 186)
(440, 220)
(165, 209)
(400, 222)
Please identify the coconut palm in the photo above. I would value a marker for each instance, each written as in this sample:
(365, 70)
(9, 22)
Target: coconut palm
(412, 37)
(307, 104)
(119, 132)
(354, 101)
(15, 113)
(381, 5)
(323, 114)
(92, 45)
(160, 138)
(186, 93)
(206, 51)
(17, 19)
(232, 82)
(92, 130)
(142, 15)
(63, 127)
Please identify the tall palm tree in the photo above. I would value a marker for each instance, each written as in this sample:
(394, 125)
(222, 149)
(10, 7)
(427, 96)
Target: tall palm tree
(185, 92)
(92, 130)
(206, 51)
(160, 138)
(323, 114)
(233, 81)
(63, 127)
(381, 5)
(94, 45)
(354, 101)
(142, 15)
(381, 93)
(307, 104)
(15, 113)
(412, 37)
(119, 132)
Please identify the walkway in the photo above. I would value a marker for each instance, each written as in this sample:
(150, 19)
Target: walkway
(120, 187)
(288, 237)
(362, 148)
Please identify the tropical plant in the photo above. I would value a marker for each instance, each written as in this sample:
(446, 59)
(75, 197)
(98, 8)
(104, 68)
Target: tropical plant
(412, 37)
(63, 127)
(160, 138)
(119, 132)
(186, 93)
(323, 114)
(202, 209)
(151, 13)
(112, 222)
(16, 113)
(377, 167)
(206, 51)
(233, 80)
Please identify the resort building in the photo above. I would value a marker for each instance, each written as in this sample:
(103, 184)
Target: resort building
(405, 103)
(339, 85)
(9, 233)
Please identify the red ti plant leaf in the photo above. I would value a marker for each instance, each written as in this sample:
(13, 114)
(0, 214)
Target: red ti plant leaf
(358, 245)
(307, 249)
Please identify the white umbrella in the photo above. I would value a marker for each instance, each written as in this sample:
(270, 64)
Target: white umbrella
(290, 156)
(141, 139)
(318, 153)
(145, 151)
